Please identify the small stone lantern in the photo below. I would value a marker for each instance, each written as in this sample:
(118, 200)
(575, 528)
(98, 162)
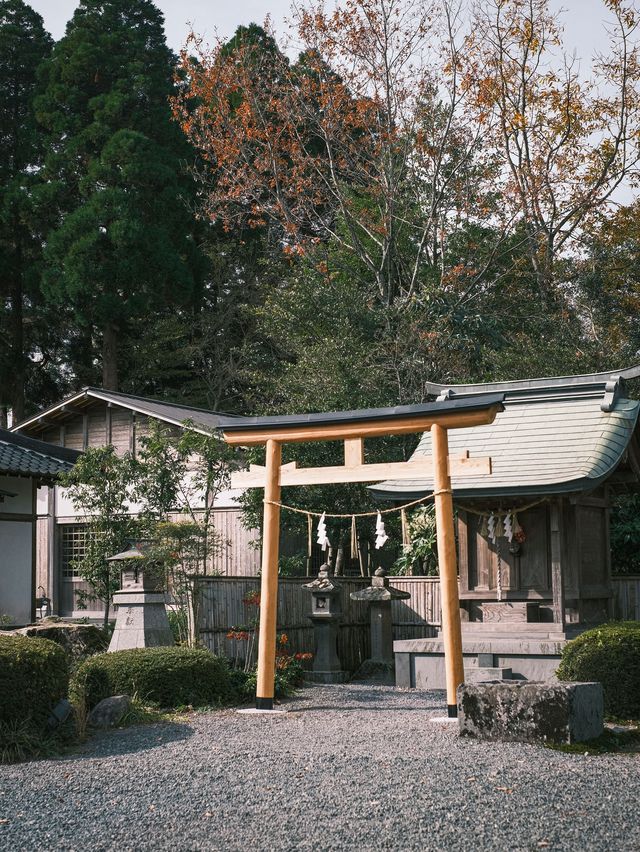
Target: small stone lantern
(141, 620)
(325, 614)
(379, 596)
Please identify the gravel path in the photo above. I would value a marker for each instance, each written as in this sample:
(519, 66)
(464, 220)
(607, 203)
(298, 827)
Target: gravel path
(349, 767)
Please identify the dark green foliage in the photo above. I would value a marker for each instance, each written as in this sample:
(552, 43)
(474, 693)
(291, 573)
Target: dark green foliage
(167, 677)
(625, 535)
(609, 654)
(99, 486)
(34, 676)
(289, 677)
(24, 43)
(124, 252)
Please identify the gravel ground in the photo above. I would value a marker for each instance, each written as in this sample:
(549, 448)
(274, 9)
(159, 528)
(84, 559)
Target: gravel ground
(348, 767)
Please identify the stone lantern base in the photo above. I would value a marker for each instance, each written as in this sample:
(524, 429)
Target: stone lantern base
(141, 621)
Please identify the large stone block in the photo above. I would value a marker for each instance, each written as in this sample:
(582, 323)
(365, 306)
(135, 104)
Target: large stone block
(78, 640)
(531, 712)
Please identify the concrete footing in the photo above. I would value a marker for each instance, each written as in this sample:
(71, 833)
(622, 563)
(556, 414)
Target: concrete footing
(531, 712)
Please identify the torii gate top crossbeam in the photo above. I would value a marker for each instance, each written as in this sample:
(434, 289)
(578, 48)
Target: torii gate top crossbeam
(364, 423)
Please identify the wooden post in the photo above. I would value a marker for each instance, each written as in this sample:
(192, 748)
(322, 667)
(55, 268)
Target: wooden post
(269, 581)
(557, 580)
(447, 562)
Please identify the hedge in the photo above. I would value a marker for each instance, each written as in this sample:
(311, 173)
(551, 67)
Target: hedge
(167, 677)
(609, 654)
(34, 676)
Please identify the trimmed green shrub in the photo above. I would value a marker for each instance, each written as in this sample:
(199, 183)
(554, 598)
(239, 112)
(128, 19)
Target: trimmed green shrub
(289, 676)
(609, 654)
(167, 677)
(34, 676)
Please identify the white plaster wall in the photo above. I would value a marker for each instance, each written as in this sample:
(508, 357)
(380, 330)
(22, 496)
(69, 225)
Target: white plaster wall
(227, 499)
(15, 569)
(42, 500)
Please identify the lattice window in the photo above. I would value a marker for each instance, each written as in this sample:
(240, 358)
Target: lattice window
(73, 547)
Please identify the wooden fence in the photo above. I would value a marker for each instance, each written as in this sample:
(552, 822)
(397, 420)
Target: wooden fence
(626, 598)
(223, 606)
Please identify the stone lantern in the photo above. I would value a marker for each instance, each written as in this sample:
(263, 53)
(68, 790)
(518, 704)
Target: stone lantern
(141, 620)
(379, 596)
(326, 613)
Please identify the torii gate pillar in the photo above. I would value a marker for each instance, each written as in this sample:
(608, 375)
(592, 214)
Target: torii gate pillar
(448, 565)
(269, 579)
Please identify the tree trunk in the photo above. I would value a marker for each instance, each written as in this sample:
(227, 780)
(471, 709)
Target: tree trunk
(105, 620)
(16, 333)
(110, 357)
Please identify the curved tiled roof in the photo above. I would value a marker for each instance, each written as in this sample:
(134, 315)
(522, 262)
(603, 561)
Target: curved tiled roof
(542, 443)
(20, 456)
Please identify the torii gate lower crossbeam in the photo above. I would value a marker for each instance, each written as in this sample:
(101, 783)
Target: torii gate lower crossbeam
(353, 427)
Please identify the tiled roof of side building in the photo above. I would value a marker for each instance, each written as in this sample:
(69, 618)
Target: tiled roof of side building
(21, 456)
(203, 420)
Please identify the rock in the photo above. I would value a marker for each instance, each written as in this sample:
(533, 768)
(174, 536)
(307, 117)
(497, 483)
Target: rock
(109, 711)
(531, 711)
(78, 640)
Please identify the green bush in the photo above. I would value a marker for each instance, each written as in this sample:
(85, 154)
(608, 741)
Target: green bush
(289, 676)
(609, 654)
(34, 676)
(167, 677)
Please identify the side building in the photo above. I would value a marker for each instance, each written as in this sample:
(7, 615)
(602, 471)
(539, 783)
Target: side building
(26, 467)
(94, 417)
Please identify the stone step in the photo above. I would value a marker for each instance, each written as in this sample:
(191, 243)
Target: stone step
(479, 674)
(510, 626)
(491, 637)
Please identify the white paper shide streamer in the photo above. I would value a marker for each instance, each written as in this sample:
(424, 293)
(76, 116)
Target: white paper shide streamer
(381, 535)
(508, 527)
(491, 527)
(323, 539)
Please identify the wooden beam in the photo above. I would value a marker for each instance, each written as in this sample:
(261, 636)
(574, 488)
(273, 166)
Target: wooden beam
(255, 477)
(365, 429)
(451, 628)
(354, 452)
(269, 580)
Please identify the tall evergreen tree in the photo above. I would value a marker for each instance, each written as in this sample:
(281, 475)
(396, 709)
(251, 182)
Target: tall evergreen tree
(124, 251)
(24, 43)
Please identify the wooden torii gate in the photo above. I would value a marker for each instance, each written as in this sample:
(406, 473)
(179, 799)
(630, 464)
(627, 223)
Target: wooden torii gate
(353, 427)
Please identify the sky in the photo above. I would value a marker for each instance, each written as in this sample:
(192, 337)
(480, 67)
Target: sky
(583, 19)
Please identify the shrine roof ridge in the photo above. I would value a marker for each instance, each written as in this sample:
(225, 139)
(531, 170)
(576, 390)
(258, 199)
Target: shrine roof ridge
(610, 385)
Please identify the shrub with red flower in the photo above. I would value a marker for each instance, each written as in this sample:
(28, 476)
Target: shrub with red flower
(238, 635)
(252, 598)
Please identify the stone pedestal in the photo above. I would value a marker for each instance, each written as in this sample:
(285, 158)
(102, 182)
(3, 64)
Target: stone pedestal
(379, 594)
(141, 621)
(325, 614)
(531, 712)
